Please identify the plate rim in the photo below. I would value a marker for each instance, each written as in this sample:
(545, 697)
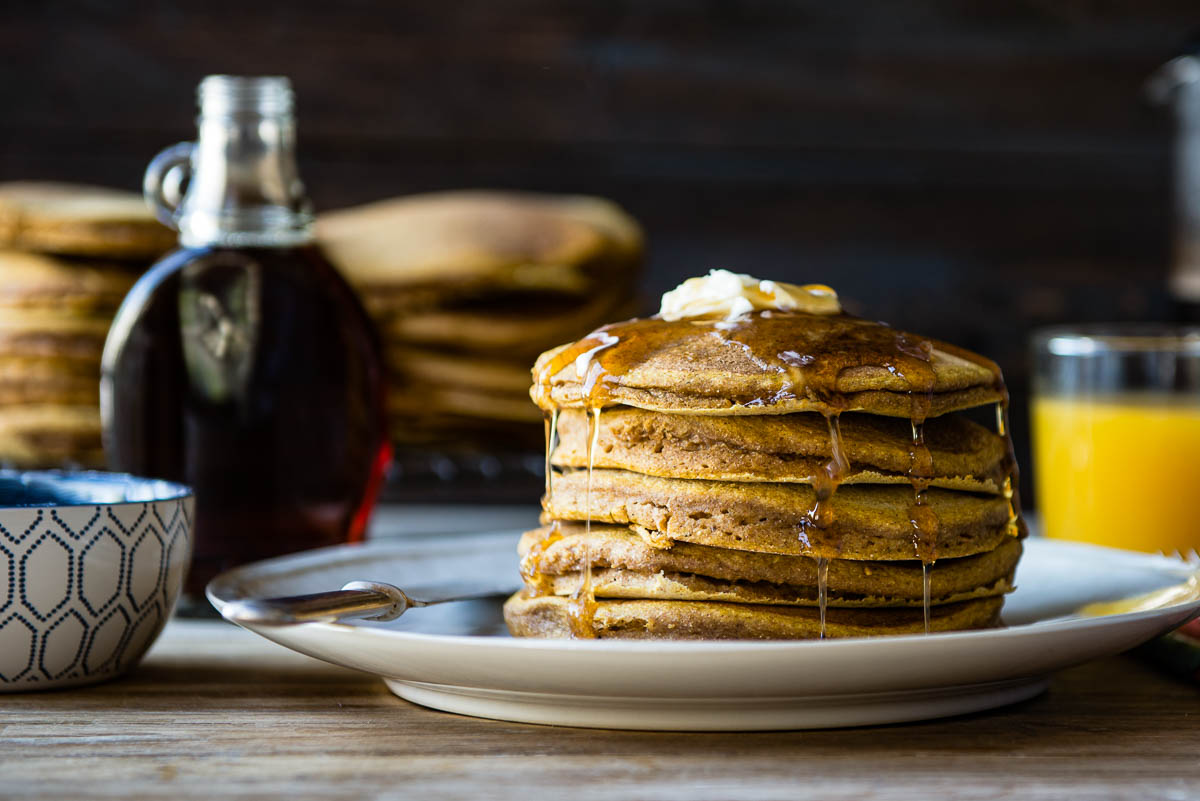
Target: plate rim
(1184, 610)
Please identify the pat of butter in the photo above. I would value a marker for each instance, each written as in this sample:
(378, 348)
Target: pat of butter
(731, 295)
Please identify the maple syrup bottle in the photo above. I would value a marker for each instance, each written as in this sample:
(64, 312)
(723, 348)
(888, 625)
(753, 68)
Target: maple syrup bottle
(242, 364)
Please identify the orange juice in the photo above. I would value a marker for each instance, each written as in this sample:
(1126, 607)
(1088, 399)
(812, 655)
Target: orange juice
(1121, 470)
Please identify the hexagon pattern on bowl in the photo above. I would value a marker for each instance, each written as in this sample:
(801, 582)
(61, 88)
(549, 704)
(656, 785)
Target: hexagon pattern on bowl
(84, 590)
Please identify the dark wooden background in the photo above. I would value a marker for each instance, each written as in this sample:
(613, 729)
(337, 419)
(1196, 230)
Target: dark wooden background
(969, 170)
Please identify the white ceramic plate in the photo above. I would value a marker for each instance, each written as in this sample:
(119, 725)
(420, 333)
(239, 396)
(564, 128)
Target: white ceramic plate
(458, 658)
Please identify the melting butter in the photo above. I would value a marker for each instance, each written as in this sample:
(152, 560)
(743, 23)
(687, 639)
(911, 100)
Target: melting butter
(730, 295)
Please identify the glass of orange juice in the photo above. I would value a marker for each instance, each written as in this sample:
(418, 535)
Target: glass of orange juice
(1116, 436)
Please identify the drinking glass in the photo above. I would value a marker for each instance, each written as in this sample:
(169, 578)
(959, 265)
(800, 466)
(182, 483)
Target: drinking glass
(1116, 436)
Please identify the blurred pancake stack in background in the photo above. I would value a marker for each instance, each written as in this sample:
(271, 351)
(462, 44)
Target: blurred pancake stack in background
(68, 255)
(467, 288)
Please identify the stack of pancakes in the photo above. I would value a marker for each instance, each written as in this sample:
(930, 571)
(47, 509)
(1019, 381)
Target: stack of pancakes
(68, 255)
(779, 475)
(468, 287)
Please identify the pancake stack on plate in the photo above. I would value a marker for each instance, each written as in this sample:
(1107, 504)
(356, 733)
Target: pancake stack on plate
(68, 255)
(468, 287)
(752, 463)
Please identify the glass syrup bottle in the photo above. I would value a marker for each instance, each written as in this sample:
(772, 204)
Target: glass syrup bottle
(242, 363)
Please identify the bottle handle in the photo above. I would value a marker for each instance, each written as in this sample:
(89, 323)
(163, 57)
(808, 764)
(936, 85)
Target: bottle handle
(163, 183)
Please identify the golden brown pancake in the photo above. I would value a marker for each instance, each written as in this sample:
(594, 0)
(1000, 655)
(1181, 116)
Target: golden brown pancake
(447, 432)
(550, 616)
(41, 368)
(465, 286)
(424, 367)
(51, 387)
(32, 280)
(511, 332)
(632, 584)
(765, 363)
(80, 220)
(50, 436)
(753, 458)
(53, 334)
(625, 566)
(869, 522)
(782, 448)
(472, 241)
(410, 400)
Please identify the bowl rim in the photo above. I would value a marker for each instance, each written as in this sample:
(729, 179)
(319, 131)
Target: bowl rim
(161, 489)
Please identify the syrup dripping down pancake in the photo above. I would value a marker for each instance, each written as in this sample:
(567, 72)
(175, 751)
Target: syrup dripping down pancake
(550, 616)
(753, 463)
(869, 522)
(783, 448)
(666, 586)
(625, 566)
(765, 363)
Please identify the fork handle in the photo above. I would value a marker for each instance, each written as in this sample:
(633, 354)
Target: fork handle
(358, 599)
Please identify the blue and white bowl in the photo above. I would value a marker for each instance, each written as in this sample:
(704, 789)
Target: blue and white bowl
(91, 565)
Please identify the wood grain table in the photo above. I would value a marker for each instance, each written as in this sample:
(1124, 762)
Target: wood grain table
(215, 712)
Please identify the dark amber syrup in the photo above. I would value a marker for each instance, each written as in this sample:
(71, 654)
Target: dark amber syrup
(254, 376)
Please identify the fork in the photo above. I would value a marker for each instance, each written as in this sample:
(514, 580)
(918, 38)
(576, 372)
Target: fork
(367, 600)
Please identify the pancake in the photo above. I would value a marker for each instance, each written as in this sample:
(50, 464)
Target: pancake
(50, 436)
(766, 466)
(465, 286)
(869, 522)
(663, 586)
(80, 220)
(32, 280)
(53, 334)
(423, 367)
(624, 236)
(416, 401)
(765, 362)
(783, 448)
(40, 368)
(30, 386)
(445, 432)
(505, 330)
(551, 616)
(471, 241)
(400, 300)
(625, 566)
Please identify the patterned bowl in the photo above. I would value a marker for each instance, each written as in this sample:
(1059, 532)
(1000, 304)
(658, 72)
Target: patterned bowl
(90, 566)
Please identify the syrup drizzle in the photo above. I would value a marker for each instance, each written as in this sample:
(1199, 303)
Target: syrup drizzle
(582, 606)
(808, 353)
(822, 589)
(924, 519)
(821, 516)
(551, 420)
(1009, 489)
(536, 580)
(926, 590)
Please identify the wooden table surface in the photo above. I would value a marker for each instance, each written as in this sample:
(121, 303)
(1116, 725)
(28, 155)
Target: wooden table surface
(215, 712)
